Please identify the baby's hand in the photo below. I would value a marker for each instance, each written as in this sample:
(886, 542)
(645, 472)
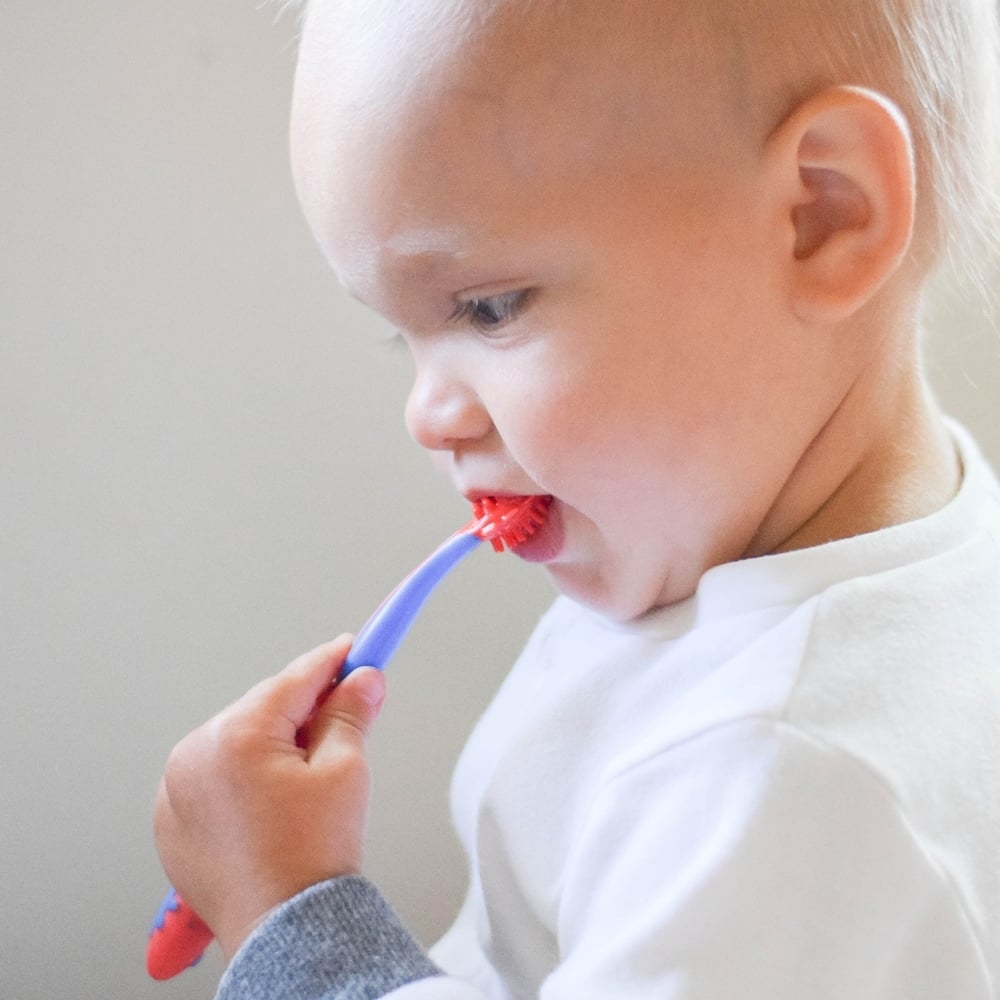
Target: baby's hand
(271, 795)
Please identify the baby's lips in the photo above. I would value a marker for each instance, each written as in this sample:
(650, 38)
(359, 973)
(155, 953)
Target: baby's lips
(509, 520)
(546, 542)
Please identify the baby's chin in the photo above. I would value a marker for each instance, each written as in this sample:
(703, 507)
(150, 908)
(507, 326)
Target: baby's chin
(603, 592)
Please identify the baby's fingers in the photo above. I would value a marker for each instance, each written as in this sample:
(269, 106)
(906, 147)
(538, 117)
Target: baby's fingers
(344, 720)
(293, 694)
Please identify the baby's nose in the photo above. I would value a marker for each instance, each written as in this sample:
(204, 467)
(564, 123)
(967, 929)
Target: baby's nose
(443, 411)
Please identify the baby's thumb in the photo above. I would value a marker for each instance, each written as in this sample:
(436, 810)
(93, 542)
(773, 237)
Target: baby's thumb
(349, 711)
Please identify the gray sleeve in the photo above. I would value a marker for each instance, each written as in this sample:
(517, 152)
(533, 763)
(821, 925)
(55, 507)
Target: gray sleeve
(338, 940)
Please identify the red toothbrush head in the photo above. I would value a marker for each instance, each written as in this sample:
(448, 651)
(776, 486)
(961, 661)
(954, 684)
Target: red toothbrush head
(508, 520)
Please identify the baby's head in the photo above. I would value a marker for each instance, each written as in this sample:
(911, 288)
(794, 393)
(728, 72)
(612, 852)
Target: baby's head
(936, 59)
(659, 263)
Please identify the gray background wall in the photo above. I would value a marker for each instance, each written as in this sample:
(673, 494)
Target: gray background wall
(204, 472)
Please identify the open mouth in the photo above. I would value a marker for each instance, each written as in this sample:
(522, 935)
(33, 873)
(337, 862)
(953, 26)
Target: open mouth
(546, 541)
(509, 521)
(543, 538)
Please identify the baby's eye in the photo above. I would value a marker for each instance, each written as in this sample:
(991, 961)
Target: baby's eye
(491, 311)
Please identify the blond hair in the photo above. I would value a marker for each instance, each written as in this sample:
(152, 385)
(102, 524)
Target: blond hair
(937, 60)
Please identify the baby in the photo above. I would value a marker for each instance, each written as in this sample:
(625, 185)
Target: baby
(664, 263)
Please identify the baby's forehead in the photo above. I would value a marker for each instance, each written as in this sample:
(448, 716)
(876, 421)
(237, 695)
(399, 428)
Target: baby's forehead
(513, 73)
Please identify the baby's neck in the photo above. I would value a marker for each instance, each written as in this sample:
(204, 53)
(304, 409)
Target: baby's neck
(885, 457)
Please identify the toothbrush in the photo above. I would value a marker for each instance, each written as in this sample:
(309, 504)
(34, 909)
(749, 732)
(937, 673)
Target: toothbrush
(179, 937)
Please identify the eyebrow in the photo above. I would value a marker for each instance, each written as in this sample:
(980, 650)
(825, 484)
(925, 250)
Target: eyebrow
(419, 249)
(431, 242)
(415, 263)
(411, 260)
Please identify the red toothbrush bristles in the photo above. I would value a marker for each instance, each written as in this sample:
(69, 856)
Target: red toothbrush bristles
(508, 520)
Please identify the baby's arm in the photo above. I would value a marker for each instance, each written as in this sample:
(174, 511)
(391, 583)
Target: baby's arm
(749, 861)
(270, 796)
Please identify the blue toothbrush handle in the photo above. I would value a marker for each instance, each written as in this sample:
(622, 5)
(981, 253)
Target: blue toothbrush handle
(384, 631)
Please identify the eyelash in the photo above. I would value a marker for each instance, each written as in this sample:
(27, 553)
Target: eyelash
(393, 344)
(491, 312)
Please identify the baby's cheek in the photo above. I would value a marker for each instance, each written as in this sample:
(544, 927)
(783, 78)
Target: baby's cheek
(552, 418)
(556, 448)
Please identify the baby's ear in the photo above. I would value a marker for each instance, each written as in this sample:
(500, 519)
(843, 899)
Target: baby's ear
(844, 165)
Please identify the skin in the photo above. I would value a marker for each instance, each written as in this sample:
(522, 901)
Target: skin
(270, 796)
(675, 377)
(695, 333)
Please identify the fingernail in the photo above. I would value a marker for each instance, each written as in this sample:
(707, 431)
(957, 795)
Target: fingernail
(372, 687)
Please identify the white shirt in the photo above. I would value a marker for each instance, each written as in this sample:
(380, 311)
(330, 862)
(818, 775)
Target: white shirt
(786, 787)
